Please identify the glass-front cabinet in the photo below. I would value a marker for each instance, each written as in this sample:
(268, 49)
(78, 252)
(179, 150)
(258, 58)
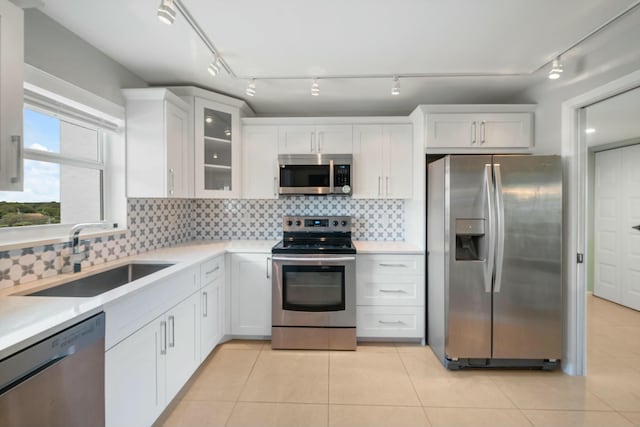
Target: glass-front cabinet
(217, 151)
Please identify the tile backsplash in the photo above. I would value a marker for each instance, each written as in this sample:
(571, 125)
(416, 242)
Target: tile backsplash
(157, 223)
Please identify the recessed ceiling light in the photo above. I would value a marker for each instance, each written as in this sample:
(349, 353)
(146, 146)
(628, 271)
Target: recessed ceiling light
(209, 120)
(556, 69)
(251, 88)
(315, 88)
(395, 89)
(589, 130)
(167, 12)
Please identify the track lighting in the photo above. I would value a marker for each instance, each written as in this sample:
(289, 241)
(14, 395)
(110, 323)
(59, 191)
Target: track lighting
(395, 89)
(167, 11)
(315, 88)
(251, 88)
(556, 69)
(214, 67)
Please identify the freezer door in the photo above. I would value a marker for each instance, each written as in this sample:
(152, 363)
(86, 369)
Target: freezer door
(469, 271)
(527, 299)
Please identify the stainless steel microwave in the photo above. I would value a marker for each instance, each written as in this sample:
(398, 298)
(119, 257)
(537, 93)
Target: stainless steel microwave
(315, 173)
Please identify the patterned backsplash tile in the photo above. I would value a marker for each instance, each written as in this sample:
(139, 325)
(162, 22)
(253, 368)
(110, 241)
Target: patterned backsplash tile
(158, 223)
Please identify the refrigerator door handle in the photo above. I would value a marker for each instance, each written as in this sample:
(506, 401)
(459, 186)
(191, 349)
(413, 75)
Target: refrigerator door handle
(488, 270)
(500, 228)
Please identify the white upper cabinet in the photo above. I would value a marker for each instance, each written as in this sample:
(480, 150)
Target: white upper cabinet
(305, 139)
(159, 152)
(11, 96)
(461, 131)
(260, 162)
(382, 161)
(217, 150)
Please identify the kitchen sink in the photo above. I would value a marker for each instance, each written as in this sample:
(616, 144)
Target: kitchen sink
(99, 283)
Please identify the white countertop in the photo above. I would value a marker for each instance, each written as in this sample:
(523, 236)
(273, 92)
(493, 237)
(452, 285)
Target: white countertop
(26, 320)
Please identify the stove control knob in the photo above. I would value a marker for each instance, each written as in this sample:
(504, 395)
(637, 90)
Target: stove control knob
(335, 223)
(289, 223)
(344, 223)
(298, 223)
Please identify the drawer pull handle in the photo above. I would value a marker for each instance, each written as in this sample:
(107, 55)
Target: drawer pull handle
(395, 322)
(213, 271)
(393, 265)
(393, 291)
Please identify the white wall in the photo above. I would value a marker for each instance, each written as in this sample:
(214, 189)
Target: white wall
(54, 49)
(607, 56)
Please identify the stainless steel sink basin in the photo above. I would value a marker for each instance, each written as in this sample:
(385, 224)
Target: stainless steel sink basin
(99, 283)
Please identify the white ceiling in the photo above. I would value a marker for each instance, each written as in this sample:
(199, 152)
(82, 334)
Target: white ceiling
(301, 38)
(614, 120)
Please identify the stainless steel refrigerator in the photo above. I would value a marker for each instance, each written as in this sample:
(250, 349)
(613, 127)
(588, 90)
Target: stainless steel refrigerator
(494, 244)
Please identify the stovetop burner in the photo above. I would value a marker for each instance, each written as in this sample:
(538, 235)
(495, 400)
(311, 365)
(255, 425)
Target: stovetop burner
(315, 235)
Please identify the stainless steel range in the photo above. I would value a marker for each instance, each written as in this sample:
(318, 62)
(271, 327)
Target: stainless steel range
(314, 286)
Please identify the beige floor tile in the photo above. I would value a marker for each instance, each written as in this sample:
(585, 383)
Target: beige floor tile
(376, 416)
(472, 417)
(377, 347)
(199, 414)
(251, 414)
(461, 392)
(634, 417)
(362, 378)
(576, 419)
(552, 392)
(223, 376)
(246, 345)
(412, 348)
(288, 376)
(427, 365)
(621, 391)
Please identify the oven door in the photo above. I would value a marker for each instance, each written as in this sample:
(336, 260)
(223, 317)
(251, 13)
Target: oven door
(313, 290)
(305, 179)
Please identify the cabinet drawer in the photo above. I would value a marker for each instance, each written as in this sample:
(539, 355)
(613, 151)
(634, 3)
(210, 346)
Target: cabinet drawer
(390, 322)
(212, 269)
(132, 312)
(371, 266)
(390, 290)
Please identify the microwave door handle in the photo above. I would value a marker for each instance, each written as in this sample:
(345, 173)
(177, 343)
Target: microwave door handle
(331, 182)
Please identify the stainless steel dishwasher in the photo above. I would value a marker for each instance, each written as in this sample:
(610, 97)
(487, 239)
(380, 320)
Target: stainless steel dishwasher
(58, 381)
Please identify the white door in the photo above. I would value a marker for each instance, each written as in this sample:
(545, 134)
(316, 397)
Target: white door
(398, 181)
(451, 130)
(367, 171)
(260, 162)
(297, 140)
(606, 239)
(183, 333)
(211, 321)
(251, 294)
(178, 170)
(134, 373)
(11, 96)
(631, 218)
(334, 139)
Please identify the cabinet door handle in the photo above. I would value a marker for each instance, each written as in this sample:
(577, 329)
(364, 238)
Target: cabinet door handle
(311, 137)
(16, 139)
(388, 193)
(213, 270)
(473, 132)
(392, 291)
(482, 131)
(268, 262)
(163, 337)
(205, 311)
(391, 265)
(394, 322)
(320, 141)
(379, 186)
(275, 186)
(171, 181)
(172, 334)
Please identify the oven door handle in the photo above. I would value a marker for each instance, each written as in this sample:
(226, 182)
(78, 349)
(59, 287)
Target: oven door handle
(323, 259)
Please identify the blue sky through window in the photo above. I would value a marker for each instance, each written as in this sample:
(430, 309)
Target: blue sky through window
(41, 179)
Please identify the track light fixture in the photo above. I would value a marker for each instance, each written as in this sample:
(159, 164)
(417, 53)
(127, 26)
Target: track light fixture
(315, 88)
(251, 88)
(214, 66)
(167, 11)
(395, 89)
(556, 69)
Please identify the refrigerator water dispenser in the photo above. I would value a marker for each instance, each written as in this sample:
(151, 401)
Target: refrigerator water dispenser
(469, 239)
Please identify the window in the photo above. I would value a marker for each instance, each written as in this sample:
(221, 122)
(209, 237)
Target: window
(64, 170)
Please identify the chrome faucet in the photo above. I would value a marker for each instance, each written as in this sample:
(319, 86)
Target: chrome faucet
(74, 240)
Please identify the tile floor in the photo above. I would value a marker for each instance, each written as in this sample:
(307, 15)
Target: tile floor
(248, 384)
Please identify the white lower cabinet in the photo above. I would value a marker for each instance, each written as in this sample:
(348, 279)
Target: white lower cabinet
(146, 370)
(251, 294)
(211, 316)
(390, 296)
